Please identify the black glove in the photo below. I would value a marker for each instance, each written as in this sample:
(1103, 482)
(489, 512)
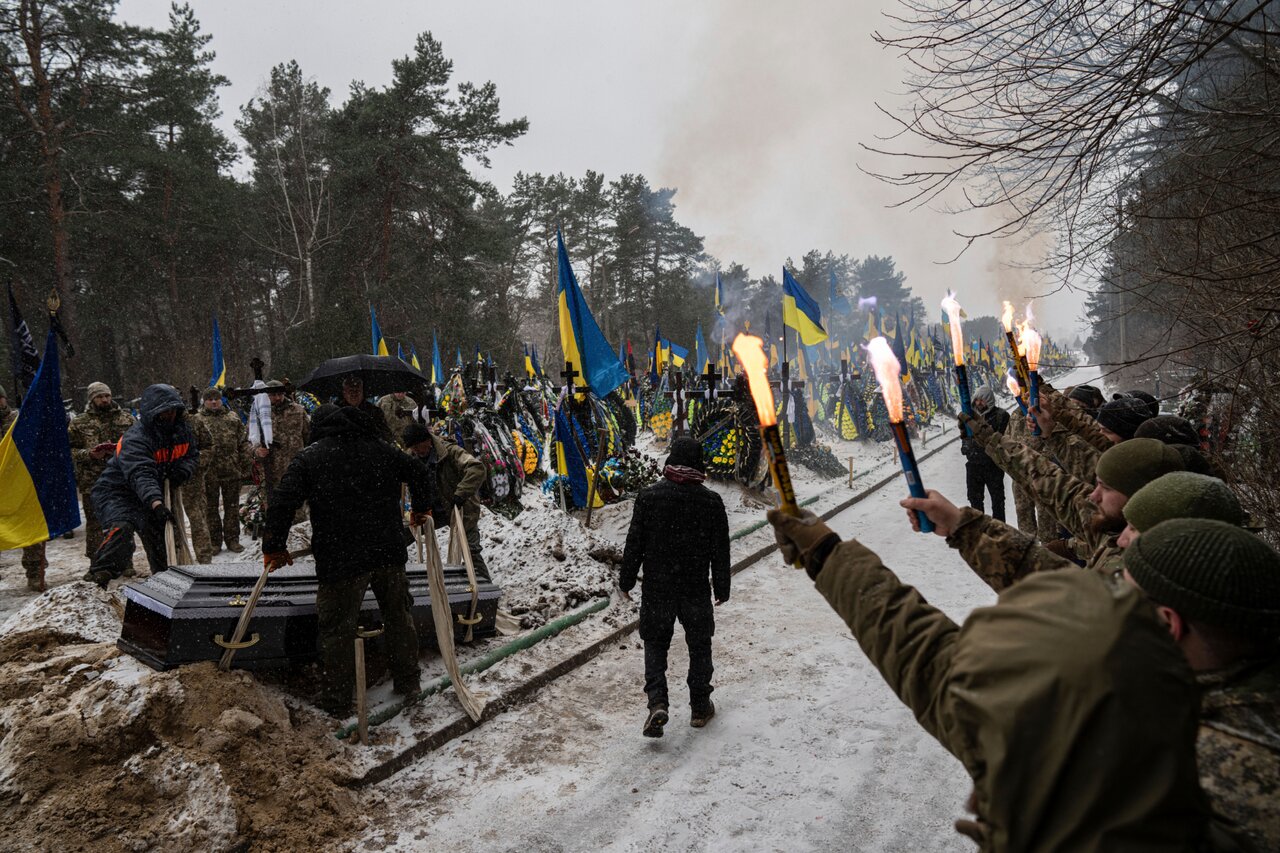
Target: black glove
(459, 501)
(161, 515)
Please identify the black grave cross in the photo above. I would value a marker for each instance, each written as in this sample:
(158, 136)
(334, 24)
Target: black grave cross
(257, 365)
(679, 413)
(712, 380)
(568, 375)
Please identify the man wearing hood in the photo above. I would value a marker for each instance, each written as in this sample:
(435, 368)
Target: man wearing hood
(93, 434)
(679, 534)
(1073, 714)
(351, 480)
(981, 474)
(129, 495)
(459, 476)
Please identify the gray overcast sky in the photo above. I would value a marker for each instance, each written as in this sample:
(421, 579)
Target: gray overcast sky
(752, 109)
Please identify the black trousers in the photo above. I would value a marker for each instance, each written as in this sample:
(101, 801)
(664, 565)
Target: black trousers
(115, 553)
(981, 478)
(658, 615)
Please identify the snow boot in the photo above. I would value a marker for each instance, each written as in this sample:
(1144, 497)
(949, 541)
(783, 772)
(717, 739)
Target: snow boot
(235, 547)
(656, 720)
(701, 716)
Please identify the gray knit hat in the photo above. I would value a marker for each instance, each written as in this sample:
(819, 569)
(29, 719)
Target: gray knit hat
(213, 393)
(96, 388)
(1210, 571)
(1182, 494)
(1170, 429)
(1132, 464)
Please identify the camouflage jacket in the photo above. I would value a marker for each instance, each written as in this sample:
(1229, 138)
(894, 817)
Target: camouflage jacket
(397, 413)
(288, 434)
(1064, 495)
(1238, 747)
(204, 441)
(229, 452)
(1077, 421)
(1003, 555)
(89, 429)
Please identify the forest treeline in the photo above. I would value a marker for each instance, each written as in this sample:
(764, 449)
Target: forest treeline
(120, 191)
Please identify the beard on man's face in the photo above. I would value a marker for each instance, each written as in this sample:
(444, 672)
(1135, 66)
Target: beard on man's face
(1100, 522)
(102, 406)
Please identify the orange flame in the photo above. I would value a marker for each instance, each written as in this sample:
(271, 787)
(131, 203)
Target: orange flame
(955, 312)
(750, 352)
(1011, 382)
(888, 370)
(1006, 316)
(1020, 339)
(1031, 318)
(1031, 343)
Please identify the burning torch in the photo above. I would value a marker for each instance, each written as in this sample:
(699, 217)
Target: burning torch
(887, 369)
(1016, 390)
(750, 352)
(1031, 338)
(955, 312)
(1019, 359)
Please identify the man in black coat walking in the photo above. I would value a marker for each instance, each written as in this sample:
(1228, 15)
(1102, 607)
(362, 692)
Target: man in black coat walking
(981, 474)
(351, 480)
(129, 494)
(679, 534)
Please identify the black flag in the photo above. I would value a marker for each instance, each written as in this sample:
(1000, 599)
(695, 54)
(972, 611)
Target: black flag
(24, 356)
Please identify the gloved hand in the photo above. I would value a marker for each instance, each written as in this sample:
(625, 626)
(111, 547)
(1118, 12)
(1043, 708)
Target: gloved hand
(161, 515)
(981, 430)
(799, 538)
(417, 519)
(460, 501)
(276, 560)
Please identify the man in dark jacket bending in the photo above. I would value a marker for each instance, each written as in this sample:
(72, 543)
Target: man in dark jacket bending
(679, 532)
(129, 494)
(351, 480)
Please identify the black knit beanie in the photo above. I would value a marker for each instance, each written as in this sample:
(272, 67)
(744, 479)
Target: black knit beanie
(1149, 400)
(687, 452)
(1132, 464)
(1088, 396)
(1170, 429)
(1182, 494)
(1210, 571)
(1123, 416)
(414, 433)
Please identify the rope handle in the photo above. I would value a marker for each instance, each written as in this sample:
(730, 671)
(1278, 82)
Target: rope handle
(462, 620)
(227, 644)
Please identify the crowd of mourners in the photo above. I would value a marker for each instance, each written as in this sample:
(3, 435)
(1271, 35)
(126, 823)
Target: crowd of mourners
(1123, 693)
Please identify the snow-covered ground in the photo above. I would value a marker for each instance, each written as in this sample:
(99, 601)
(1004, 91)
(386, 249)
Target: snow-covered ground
(809, 749)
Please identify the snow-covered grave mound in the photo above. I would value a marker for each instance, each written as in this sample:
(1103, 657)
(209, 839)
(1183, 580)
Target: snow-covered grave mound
(99, 752)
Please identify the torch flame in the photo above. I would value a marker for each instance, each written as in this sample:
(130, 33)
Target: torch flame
(1011, 381)
(1031, 318)
(1006, 317)
(750, 352)
(955, 312)
(887, 369)
(1031, 343)
(1020, 339)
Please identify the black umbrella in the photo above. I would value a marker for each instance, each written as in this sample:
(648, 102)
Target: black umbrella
(381, 374)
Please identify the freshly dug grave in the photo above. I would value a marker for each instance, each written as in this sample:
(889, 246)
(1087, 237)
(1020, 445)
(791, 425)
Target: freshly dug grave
(98, 752)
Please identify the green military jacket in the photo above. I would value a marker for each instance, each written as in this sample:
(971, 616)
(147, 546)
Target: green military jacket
(289, 428)
(397, 413)
(89, 429)
(1238, 747)
(229, 455)
(458, 473)
(1111, 769)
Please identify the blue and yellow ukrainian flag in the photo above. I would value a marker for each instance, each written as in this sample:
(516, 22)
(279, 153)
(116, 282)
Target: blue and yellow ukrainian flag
(528, 363)
(379, 342)
(533, 354)
(581, 340)
(413, 358)
(437, 367)
(719, 295)
(674, 353)
(38, 498)
(702, 355)
(800, 312)
(219, 377)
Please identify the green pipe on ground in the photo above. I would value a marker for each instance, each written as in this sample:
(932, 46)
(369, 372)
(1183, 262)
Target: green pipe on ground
(517, 645)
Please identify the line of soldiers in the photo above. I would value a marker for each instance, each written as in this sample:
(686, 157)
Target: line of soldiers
(1132, 705)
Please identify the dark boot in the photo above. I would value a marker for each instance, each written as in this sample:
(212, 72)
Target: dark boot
(701, 716)
(655, 721)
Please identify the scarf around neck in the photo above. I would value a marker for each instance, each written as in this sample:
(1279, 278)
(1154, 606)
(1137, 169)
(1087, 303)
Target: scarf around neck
(680, 474)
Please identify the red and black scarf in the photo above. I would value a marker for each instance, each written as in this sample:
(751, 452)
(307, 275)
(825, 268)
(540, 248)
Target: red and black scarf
(683, 474)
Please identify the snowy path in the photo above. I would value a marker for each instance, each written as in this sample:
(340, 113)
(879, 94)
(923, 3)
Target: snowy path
(809, 750)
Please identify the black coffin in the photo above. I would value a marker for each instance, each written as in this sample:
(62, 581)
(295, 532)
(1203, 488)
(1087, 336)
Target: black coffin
(172, 618)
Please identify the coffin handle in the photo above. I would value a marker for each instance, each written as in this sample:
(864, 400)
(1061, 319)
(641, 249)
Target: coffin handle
(217, 638)
(462, 620)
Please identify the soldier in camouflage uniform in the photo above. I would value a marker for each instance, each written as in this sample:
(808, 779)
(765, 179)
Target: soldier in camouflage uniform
(397, 409)
(289, 428)
(100, 424)
(193, 492)
(33, 560)
(1217, 589)
(228, 457)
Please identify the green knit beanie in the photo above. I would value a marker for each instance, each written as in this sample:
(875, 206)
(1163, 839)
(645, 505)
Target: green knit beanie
(1182, 494)
(1210, 571)
(1132, 464)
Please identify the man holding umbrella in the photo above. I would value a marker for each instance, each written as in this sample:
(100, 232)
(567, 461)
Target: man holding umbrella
(352, 482)
(354, 378)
